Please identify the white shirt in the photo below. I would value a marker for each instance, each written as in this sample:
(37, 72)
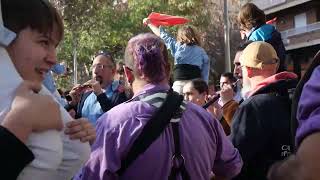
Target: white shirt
(56, 156)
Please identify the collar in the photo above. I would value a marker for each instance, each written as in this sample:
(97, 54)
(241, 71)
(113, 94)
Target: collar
(248, 34)
(152, 88)
(272, 79)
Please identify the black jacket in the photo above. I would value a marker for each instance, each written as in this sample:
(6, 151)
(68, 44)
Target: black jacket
(105, 103)
(276, 42)
(14, 155)
(261, 129)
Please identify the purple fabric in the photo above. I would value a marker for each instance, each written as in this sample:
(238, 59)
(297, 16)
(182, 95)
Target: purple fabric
(308, 113)
(203, 144)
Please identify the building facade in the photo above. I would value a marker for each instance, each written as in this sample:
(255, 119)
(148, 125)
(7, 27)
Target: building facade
(299, 24)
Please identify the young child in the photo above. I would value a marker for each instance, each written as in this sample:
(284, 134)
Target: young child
(190, 60)
(252, 21)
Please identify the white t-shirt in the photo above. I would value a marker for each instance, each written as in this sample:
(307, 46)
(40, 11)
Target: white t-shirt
(56, 156)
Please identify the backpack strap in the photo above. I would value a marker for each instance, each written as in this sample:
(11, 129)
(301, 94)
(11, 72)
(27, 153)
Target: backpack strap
(155, 126)
(177, 160)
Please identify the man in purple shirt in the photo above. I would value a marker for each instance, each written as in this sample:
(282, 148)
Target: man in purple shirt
(203, 143)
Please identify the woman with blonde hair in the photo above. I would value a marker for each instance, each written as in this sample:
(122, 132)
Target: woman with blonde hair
(190, 59)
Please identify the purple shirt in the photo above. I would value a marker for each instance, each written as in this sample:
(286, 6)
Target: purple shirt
(203, 144)
(308, 113)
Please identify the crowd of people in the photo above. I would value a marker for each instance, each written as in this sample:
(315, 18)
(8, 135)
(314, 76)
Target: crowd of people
(133, 120)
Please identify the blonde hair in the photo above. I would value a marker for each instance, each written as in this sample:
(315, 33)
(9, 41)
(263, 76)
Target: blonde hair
(188, 35)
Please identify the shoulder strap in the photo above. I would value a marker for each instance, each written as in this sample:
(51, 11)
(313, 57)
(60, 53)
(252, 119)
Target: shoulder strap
(153, 129)
(178, 160)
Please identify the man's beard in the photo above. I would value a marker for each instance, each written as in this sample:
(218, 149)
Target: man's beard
(246, 88)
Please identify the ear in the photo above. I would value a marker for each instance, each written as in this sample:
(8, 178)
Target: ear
(128, 74)
(113, 71)
(250, 72)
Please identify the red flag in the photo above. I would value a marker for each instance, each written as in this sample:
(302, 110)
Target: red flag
(158, 19)
(271, 21)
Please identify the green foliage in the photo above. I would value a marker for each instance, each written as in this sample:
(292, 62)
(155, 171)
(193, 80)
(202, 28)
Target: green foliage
(92, 25)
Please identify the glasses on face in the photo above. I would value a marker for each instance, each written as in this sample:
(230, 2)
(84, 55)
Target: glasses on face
(100, 66)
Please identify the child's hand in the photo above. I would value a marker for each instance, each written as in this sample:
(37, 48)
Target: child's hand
(146, 21)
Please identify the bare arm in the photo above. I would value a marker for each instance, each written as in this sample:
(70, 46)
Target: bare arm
(309, 158)
(153, 28)
(31, 112)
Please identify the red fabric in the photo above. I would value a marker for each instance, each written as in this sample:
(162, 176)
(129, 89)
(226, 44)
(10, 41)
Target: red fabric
(272, 79)
(272, 21)
(158, 19)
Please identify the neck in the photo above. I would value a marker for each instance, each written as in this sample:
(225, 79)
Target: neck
(254, 81)
(104, 85)
(138, 85)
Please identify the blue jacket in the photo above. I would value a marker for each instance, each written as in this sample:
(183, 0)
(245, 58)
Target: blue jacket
(105, 102)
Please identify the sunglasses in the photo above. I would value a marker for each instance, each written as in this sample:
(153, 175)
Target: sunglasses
(103, 52)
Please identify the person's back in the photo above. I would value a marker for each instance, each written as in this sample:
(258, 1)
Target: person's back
(203, 144)
(190, 59)
(304, 163)
(268, 126)
(261, 125)
(188, 55)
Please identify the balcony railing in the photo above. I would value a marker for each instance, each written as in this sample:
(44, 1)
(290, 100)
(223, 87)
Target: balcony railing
(300, 30)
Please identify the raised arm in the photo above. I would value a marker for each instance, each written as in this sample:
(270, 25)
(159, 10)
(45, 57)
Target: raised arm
(153, 28)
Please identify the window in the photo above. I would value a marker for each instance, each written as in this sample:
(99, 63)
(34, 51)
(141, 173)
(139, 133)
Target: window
(300, 20)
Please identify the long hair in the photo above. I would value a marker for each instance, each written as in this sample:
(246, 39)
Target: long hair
(250, 16)
(188, 35)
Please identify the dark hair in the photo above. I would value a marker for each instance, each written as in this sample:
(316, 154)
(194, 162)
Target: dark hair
(200, 85)
(119, 67)
(106, 54)
(39, 15)
(242, 46)
(230, 76)
(60, 92)
(251, 16)
(147, 54)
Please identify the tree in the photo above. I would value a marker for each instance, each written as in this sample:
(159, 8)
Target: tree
(91, 25)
